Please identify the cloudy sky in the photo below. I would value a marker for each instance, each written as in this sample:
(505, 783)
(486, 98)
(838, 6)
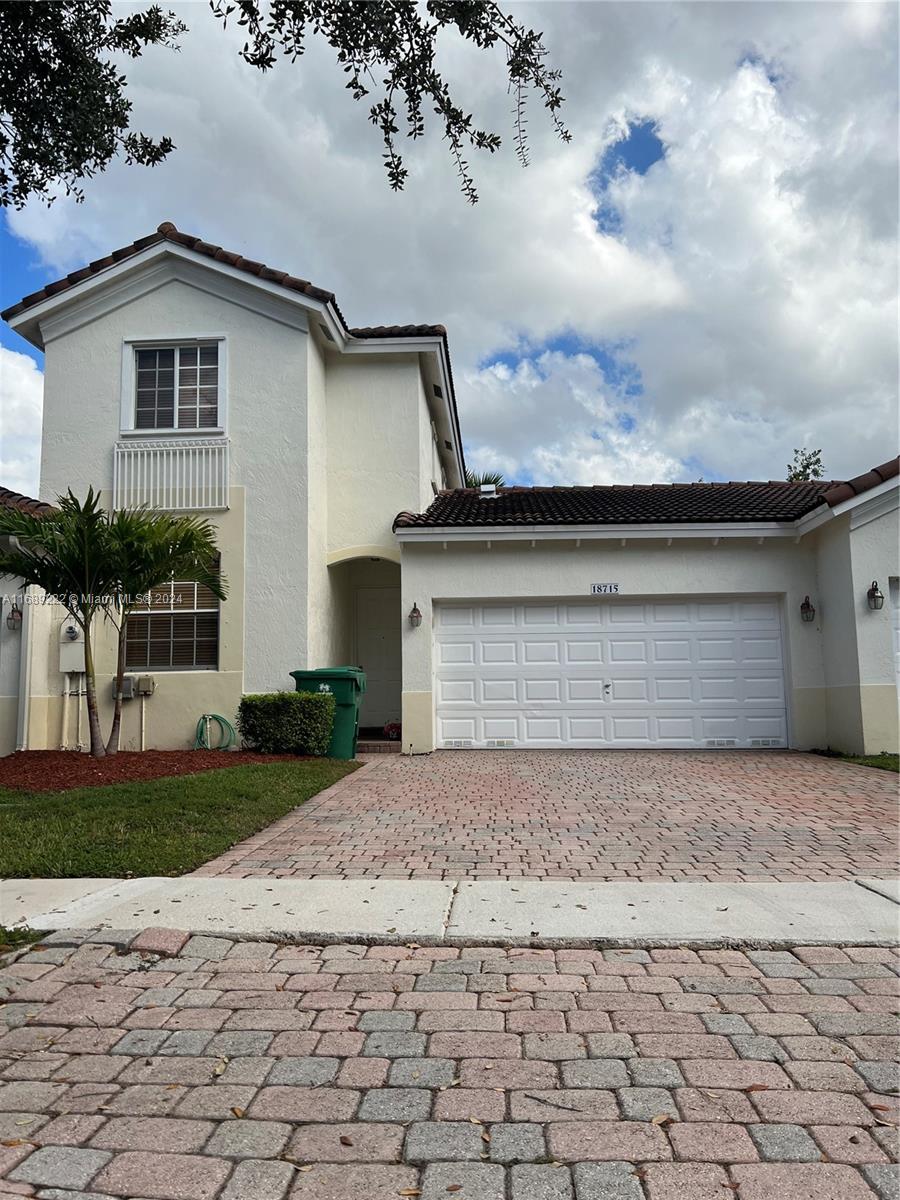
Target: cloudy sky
(705, 278)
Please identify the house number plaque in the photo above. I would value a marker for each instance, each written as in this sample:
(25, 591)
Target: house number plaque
(604, 589)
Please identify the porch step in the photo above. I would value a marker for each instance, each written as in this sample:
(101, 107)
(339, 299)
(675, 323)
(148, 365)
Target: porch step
(379, 747)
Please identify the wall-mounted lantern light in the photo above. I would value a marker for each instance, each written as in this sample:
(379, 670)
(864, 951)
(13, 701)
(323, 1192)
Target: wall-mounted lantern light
(874, 596)
(415, 617)
(807, 610)
(14, 618)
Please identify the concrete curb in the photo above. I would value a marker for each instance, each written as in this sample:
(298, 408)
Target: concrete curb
(495, 912)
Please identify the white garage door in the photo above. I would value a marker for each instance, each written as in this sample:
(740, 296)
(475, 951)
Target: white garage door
(613, 673)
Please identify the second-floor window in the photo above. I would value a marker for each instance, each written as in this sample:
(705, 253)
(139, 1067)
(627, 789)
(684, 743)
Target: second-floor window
(177, 387)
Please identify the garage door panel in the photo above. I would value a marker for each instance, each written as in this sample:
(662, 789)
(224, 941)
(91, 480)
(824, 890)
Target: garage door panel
(541, 614)
(629, 690)
(579, 690)
(453, 653)
(456, 691)
(499, 652)
(673, 690)
(588, 651)
(764, 688)
(627, 650)
(542, 689)
(627, 614)
(611, 673)
(492, 617)
(456, 618)
(587, 729)
(672, 650)
(500, 728)
(541, 651)
(584, 614)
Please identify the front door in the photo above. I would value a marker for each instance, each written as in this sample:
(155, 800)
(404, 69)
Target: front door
(378, 653)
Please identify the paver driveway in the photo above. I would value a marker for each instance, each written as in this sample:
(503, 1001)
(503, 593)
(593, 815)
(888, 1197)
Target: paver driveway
(587, 815)
(251, 1071)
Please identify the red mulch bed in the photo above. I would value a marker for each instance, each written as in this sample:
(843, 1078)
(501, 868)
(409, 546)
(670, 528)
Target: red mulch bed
(59, 770)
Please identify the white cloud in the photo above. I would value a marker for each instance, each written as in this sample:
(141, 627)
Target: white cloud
(754, 280)
(21, 402)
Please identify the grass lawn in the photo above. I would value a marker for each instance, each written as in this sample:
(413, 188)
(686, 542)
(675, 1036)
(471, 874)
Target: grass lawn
(150, 827)
(884, 761)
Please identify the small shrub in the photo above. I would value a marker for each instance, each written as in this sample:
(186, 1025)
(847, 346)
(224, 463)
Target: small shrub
(287, 722)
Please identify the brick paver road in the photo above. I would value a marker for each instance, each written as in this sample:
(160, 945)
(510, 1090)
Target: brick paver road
(252, 1071)
(587, 815)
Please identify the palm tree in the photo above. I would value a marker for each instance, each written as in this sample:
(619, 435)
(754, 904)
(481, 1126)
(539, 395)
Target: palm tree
(65, 552)
(476, 479)
(146, 550)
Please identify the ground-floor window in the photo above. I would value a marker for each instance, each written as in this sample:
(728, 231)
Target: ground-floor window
(177, 630)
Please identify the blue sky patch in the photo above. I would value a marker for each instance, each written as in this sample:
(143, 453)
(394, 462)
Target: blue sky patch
(636, 152)
(21, 272)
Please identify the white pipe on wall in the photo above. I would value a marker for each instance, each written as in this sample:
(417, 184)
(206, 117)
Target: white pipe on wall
(143, 720)
(82, 691)
(64, 731)
(24, 674)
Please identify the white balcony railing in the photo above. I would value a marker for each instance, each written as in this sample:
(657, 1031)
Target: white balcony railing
(175, 474)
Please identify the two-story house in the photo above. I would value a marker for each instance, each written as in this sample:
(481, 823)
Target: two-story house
(183, 376)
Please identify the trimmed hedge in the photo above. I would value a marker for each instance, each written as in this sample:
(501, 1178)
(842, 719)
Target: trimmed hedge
(287, 722)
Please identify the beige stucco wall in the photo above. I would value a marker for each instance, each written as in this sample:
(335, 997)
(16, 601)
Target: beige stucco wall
(874, 556)
(374, 417)
(643, 568)
(10, 648)
(266, 425)
(181, 697)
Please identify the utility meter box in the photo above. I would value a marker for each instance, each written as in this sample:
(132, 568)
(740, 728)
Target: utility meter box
(71, 648)
(128, 692)
(146, 685)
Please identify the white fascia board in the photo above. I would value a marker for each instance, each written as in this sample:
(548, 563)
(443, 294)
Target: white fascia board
(871, 504)
(28, 322)
(494, 533)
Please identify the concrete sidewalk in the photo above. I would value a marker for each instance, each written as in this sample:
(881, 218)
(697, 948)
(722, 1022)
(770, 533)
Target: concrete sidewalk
(525, 912)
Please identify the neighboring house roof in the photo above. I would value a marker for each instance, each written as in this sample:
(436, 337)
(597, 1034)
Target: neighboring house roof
(10, 499)
(640, 504)
(167, 232)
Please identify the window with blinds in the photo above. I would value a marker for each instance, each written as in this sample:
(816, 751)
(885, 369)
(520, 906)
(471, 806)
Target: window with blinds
(176, 630)
(177, 387)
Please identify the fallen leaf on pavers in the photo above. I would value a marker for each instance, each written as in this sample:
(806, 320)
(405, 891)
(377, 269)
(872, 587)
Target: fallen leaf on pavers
(486, 1137)
(170, 1087)
(13, 1142)
(454, 1187)
(474, 1120)
(638, 1173)
(879, 1107)
(661, 1119)
(409, 1192)
(757, 1087)
(307, 1167)
(345, 1141)
(238, 1112)
(27, 1121)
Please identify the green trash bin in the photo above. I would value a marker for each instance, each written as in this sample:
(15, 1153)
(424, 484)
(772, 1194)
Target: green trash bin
(347, 685)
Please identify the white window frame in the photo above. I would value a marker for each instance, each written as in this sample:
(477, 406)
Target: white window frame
(128, 399)
(174, 611)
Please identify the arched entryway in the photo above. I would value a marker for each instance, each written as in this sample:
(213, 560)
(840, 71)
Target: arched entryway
(366, 593)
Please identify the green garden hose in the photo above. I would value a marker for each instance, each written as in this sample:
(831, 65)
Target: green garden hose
(228, 735)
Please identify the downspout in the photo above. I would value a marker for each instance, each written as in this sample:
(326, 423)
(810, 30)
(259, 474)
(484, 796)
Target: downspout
(24, 674)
